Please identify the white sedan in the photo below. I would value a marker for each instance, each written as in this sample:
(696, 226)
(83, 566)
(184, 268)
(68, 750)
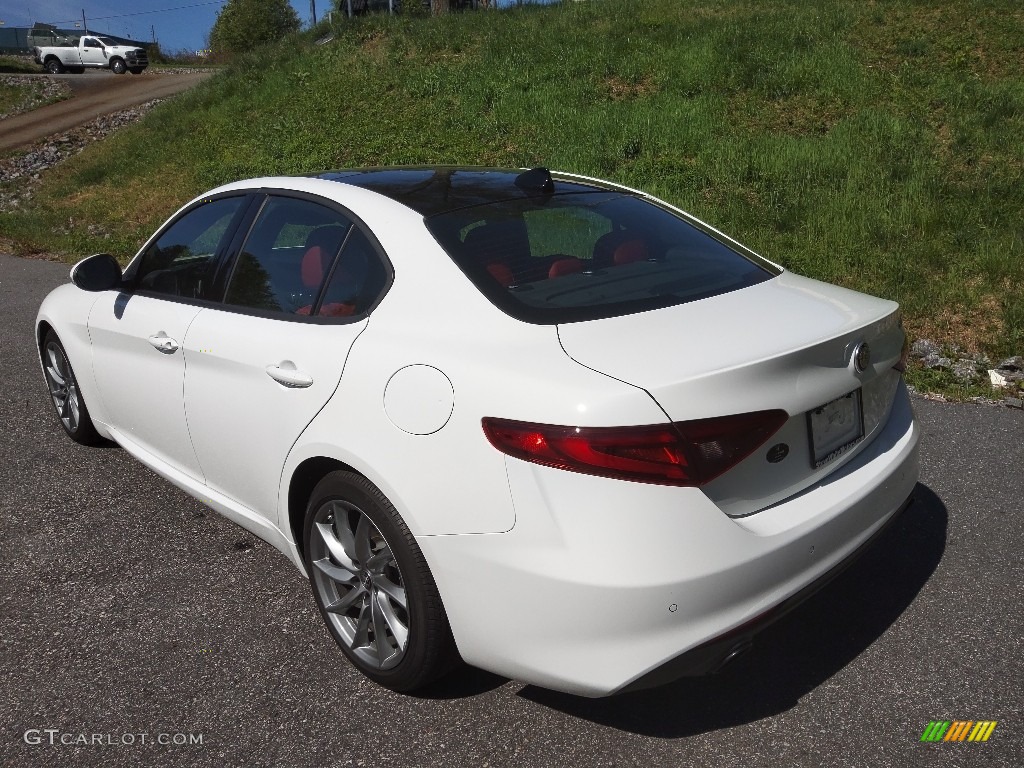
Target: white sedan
(543, 423)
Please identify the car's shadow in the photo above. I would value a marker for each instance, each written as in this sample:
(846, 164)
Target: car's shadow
(794, 656)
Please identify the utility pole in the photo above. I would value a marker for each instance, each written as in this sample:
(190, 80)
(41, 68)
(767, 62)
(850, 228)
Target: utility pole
(312, 10)
(84, 25)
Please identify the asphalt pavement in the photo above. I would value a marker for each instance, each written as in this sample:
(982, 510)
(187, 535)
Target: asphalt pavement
(131, 615)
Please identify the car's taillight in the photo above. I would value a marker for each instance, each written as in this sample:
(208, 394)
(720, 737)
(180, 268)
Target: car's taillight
(901, 366)
(684, 453)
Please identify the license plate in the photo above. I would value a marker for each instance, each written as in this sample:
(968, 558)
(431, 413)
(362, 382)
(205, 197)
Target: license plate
(835, 427)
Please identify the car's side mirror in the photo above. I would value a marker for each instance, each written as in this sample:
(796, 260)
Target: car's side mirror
(97, 273)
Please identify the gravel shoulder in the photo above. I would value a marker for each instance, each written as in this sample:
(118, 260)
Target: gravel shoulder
(94, 94)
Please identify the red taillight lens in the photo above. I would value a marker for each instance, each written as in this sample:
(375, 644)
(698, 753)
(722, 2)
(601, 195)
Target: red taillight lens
(684, 453)
(901, 366)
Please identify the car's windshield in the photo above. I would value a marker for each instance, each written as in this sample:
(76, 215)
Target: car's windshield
(107, 41)
(563, 258)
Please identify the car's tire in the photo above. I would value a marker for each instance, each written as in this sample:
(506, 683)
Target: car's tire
(135, 70)
(65, 394)
(54, 67)
(118, 66)
(373, 587)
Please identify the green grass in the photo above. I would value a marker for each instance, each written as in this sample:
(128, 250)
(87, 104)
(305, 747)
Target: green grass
(12, 97)
(22, 94)
(18, 64)
(875, 145)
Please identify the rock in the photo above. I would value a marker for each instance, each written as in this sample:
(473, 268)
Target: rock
(35, 92)
(1015, 363)
(924, 348)
(56, 149)
(965, 370)
(933, 360)
(1013, 402)
(984, 400)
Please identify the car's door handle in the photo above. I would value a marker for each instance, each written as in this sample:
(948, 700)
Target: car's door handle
(164, 343)
(287, 374)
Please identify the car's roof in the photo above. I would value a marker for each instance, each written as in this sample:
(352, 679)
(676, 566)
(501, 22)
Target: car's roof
(431, 190)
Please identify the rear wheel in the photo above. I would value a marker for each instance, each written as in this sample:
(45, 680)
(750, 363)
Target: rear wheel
(118, 66)
(65, 394)
(54, 67)
(373, 587)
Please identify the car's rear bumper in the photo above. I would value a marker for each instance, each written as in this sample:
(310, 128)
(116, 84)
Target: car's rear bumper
(604, 585)
(711, 656)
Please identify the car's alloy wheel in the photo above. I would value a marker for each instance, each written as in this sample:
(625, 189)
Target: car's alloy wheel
(118, 66)
(372, 585)
(54, 67)
(64, 391)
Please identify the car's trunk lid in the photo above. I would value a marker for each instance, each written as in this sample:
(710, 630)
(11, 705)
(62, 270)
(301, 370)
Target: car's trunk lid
(786, 343)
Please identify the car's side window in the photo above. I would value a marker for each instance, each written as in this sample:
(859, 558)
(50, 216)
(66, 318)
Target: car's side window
(356, 281)
(182, 261)
(287, 257)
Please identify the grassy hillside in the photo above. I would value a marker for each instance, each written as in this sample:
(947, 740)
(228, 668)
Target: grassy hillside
(873, 144)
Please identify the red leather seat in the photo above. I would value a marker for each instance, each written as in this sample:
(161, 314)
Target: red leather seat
(321, 245)
(567, 266)
(313, 267)
(618, 247)
(502, 274)
(494, 245)
(629, 252)
(334, 309)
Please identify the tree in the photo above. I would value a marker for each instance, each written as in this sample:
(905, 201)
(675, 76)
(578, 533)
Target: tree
(437, 7)
(244, 24)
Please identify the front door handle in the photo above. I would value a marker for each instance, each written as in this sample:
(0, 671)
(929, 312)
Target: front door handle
(164, 343)
(287, 374)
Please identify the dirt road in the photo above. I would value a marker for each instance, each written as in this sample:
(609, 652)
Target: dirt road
(93, 94)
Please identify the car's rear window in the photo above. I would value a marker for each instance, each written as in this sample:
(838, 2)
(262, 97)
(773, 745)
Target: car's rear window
(565, 258)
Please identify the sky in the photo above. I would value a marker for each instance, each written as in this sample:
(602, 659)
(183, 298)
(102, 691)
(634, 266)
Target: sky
(177, 24)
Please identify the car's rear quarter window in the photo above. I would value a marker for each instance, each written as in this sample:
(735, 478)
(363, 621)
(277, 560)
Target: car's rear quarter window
(564, 258)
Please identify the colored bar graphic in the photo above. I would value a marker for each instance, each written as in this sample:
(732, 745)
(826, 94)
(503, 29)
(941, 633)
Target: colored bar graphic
(982, 730)
(958, 730)
(935, 731)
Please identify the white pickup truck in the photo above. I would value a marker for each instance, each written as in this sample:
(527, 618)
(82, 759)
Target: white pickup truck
(94, 52)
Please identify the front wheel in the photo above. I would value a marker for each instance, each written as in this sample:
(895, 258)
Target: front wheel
(65, 394)
(373, 587)
(118, 66)
(54, 67)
